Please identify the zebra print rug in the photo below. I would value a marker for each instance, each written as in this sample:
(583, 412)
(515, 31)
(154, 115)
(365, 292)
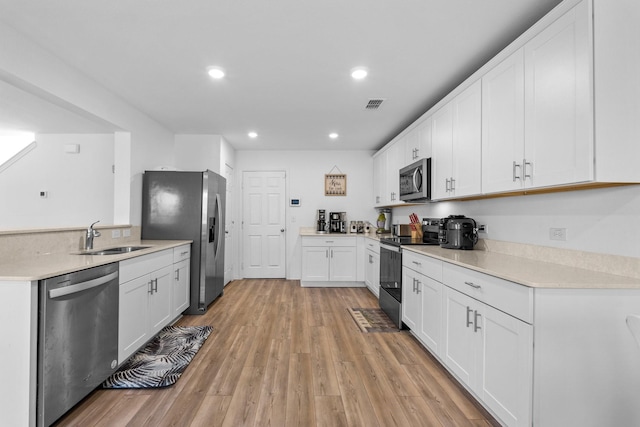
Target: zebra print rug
(161, 362)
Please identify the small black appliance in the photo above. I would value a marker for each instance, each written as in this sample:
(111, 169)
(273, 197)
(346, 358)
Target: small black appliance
(458, 232)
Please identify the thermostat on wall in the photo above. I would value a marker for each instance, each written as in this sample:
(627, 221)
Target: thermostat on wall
(294, 202)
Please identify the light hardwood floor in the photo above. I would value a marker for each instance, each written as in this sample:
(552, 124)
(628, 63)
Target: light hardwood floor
(282, 355)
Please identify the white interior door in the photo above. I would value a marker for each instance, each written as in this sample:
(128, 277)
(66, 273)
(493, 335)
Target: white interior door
(229, 259)
(263, 224)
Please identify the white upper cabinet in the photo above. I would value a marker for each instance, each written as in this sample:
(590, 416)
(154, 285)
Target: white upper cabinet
(456, 142)
(503, 125)
(417, 142)
(558, 108)
(537, 111)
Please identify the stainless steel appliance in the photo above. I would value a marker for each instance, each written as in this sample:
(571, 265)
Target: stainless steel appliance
(322, 221)
(77, 338)
(338, 222)
(189, 206)
(390, 295)
(458, 232)
(415, 181)
(431, 231)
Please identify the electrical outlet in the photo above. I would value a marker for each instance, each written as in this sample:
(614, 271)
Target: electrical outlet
(126, 232)
(483, 228)
(115, 234)
(558, 234)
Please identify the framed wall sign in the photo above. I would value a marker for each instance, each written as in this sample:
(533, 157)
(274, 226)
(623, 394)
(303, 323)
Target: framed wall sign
(335, 184)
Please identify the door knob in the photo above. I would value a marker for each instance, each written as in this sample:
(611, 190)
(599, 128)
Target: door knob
(282, 230)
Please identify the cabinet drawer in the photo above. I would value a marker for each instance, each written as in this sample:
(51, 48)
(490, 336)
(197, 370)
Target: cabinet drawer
(509, 297)
(329, 241)
(423, 264)
(372, 245)
(145, 264)
(181, 253)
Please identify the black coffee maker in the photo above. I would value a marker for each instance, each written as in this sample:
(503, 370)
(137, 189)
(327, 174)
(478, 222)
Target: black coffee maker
(322, 222)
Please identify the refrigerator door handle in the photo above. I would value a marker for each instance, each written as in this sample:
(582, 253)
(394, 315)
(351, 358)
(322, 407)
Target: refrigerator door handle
(212, 231)
(217, 216)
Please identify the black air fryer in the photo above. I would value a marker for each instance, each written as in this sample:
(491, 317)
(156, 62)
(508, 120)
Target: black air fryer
(458, 232)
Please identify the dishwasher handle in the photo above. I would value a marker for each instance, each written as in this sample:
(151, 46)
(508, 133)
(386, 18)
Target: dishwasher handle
(82, 286)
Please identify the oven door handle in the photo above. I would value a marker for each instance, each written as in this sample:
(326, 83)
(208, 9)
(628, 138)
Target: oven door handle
(82, 286)
(390, 248)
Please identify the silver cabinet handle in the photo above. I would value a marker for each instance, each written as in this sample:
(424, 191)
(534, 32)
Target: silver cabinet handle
(155, 285)
(524, 167)
(469, 310)
(476, 327)
(453, 186)
(177, 275)
(516, 165)
(418, 264)
(417, 287)
(473, 285)
(326, 253)
(150, 287)
(370, 259)
(447, 186)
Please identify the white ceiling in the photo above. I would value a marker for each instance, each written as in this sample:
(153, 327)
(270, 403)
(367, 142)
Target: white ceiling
(287, 61)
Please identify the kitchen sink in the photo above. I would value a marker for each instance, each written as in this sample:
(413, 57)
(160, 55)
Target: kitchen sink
(114, 251)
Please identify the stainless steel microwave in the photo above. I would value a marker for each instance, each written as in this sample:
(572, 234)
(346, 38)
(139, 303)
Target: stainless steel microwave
(415, 181)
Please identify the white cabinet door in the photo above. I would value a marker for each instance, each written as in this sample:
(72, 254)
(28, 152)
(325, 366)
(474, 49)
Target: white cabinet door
(181, 279)
(505, 364)
(315, 263)
(503, 125)
(467, 142)
(395, 157)
(441, 163)
(459, 343)
(343, 264)
(558, 102)
(411, 301)
(132, 316)
(372, 271)
(160, 309)
(411, 149)
(424, 139)
(379, 178)
(430, 327)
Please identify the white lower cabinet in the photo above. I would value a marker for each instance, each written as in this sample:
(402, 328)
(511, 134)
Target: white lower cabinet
(491, 353)
(468, 321)
(372, 266)
(329, 260)
(422, 299)
(181, 279)
(146, 299)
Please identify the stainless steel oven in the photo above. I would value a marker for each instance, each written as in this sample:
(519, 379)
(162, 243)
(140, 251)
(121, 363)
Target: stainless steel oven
(390, 296)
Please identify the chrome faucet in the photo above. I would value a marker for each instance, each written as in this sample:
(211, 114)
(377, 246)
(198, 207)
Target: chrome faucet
(91, 233)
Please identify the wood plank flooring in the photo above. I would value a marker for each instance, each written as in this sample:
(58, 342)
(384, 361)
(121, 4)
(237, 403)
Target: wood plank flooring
(283, 355)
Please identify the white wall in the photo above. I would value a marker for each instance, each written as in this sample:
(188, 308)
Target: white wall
(33, 69)
(600, 220)
(79, 186)
(305, 172)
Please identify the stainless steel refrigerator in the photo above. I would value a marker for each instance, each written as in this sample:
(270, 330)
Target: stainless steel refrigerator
(189, 205)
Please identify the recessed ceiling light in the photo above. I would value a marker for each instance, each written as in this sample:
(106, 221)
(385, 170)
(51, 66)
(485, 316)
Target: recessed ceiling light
(252, 135)
(333, 135)
(215, 72)
(359, 73)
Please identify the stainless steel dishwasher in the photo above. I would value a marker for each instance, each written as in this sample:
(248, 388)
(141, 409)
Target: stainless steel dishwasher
(77, 338)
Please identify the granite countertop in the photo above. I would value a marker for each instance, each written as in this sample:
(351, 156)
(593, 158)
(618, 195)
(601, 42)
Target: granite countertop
(311, 231)
(528, 272)
(39, 267)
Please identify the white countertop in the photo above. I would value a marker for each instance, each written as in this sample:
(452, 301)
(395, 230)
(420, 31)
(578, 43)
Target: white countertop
(525, 271)
(38, 267)
(528, 272)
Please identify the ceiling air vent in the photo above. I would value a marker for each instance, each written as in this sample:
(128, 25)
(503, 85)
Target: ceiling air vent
(374, 104)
